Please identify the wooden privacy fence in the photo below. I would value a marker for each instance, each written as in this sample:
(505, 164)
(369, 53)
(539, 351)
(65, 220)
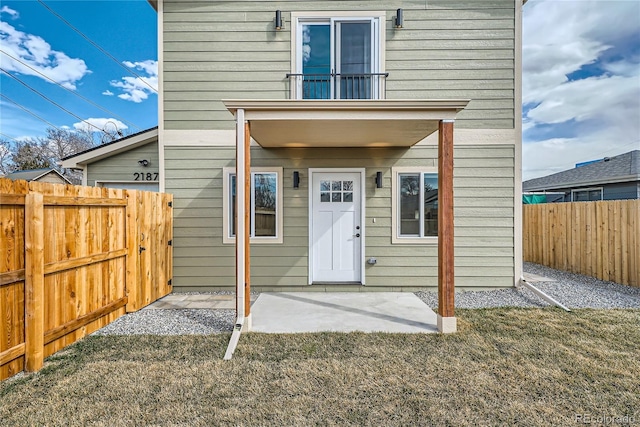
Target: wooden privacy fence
(72, 260)
(599, 239)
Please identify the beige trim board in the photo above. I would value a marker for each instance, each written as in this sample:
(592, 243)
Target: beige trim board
(159, 6)
(477, 137)
(201, 138)
(226, 138)
(517, 117)
(447, 325)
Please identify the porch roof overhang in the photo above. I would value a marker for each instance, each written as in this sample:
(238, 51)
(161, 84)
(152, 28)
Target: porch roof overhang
(344, 123)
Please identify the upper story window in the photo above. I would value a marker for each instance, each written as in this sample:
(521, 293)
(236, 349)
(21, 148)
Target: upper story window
(337, 56)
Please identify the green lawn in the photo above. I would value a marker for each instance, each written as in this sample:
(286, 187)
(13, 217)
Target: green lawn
(504, 367)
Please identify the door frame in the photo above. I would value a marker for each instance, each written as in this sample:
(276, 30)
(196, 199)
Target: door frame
(362, 200)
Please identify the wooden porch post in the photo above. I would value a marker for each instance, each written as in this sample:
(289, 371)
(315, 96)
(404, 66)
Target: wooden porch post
(446, 287)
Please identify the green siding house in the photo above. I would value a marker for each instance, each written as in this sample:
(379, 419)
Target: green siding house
(129, 163)
(341, 107)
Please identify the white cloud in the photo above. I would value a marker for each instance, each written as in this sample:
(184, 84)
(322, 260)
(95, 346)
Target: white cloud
(39, 56)
(108, 93)
(593, 114)
(138, 89)
(109, 125)
(8, 10)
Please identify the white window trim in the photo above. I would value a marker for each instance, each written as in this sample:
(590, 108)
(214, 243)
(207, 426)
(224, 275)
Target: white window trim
(395, 194)
(380, 16)
(226, 239)
(579, 190)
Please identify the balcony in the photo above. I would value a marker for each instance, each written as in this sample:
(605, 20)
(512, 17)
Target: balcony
(338, 86)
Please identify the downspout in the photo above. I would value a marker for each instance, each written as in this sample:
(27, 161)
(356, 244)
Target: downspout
(240, 231)
(542, 295)
(237, 329)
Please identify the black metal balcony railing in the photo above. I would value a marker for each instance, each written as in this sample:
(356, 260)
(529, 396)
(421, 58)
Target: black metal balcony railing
(338, 86)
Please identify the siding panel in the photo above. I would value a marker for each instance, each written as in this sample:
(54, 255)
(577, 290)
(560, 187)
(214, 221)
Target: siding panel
(483, 202)
(121, 167)
(447, 50)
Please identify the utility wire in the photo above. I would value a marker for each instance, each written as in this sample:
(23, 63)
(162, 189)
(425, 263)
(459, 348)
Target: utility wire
(97, 46)
(49, 99)
(71, 91)
(28, 111)
(7, 136)
(616, 149)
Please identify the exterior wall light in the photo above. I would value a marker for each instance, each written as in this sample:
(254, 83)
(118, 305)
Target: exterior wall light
(296, 179)
(279, 21)
(143, 162)
(399, 18)
(379, 179)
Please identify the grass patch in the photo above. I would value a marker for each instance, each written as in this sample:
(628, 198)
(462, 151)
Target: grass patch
(505, 366)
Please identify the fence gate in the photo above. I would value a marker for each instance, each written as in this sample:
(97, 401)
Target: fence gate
(150, 247)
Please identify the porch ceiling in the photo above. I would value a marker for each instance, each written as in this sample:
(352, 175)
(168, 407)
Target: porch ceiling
(344, 123)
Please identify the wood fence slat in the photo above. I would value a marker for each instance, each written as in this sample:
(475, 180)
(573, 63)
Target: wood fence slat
(11, 354)
(56, 267)
(12, 199)
(132, 268)
(82, 321)
(83, 201)
(34, 312)
(11, 277)
(616, 247)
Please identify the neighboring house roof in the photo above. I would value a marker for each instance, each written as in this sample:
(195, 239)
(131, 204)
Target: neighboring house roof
(35, 174)
(622, 168)
(78, 160)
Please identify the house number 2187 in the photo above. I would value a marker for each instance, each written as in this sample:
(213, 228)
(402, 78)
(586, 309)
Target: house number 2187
(149, 176)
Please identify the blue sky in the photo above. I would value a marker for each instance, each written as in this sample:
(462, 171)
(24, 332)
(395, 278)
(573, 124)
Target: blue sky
(581, 73)
(47, 46)
(581, 82)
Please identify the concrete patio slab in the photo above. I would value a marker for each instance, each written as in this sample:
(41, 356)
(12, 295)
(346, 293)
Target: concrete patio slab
(295, 312)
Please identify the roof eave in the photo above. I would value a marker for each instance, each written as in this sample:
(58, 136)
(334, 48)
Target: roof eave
(80, 160)
(576, 184)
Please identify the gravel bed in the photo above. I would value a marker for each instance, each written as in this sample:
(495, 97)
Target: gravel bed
(189, 321)
(572, 290)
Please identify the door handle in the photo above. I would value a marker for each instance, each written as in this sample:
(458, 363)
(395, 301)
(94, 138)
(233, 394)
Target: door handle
(141, 248)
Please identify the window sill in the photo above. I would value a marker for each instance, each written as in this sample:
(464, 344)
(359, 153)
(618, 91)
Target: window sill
(254, 241)
(426, 241)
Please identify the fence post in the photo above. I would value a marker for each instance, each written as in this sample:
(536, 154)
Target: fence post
(34, 281)
(132, 287)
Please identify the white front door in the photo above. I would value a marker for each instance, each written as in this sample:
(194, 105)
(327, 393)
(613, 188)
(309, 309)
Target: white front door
(336, 229)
